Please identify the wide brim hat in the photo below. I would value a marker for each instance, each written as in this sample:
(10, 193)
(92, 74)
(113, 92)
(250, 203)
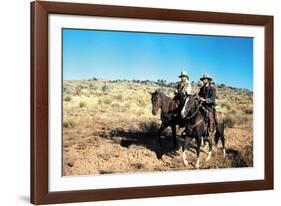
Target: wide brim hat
(183, 74)
(206, 76)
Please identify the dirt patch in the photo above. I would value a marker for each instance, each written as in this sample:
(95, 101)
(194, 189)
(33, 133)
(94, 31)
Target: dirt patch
(136, 152)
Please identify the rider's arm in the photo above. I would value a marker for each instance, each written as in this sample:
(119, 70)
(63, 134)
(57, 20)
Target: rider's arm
(177, 89)
(212, 98)
(188, 89)
(200, 93)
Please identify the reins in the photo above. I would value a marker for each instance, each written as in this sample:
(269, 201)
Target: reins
(196, 123)
(197, 109)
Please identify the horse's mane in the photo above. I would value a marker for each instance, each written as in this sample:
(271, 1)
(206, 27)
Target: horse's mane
(162, 95)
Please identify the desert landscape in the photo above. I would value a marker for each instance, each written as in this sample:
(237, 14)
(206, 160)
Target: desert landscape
(108, 128)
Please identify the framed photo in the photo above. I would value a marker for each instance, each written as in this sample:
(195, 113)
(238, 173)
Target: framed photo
(131, 102)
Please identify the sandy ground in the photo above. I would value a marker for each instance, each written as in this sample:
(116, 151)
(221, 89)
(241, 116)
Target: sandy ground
(93, 154)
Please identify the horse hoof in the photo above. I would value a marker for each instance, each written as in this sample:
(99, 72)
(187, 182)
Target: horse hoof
(184, 158)
(197, 165)
(224, 153)
(202, 142)
(209, 156)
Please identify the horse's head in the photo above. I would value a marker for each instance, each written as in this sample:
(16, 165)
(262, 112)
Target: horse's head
(156, 102)
(189, 105)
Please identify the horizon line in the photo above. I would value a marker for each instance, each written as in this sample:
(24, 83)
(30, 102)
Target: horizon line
(155, 81)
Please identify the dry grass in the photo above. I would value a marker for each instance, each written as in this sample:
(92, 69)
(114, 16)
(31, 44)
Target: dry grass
(109, 128)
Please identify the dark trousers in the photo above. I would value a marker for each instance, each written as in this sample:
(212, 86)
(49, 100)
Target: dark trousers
(209, 114)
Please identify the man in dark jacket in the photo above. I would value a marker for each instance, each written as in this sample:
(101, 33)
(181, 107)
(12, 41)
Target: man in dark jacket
(207, 95)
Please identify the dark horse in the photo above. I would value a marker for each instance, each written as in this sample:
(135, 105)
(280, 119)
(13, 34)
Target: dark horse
(170, 113)
(197, 128)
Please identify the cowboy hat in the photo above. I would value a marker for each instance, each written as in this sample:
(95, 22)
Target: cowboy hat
(183, 74)
(205, 76)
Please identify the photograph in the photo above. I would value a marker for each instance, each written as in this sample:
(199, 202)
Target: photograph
(136, 102)
(132, 102)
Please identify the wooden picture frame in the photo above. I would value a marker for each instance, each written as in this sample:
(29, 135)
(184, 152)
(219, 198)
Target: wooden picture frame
(40, 106)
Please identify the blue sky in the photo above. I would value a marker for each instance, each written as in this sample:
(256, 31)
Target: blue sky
(136, 55)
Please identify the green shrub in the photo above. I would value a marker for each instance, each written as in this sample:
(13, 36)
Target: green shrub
(247, 155)
(107, 101)
(248, 110)
(119, 97)
(67, 98)
(230, 120)
(140, 112)
(105, 88)
(141, 102)
(69, 123)
(82, 104)
(226, 105)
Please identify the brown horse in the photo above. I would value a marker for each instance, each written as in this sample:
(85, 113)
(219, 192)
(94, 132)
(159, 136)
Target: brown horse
(170, 113)
(198, 129)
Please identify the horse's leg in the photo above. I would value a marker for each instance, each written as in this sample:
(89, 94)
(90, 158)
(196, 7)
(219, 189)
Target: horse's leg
(161, 129)
(174, 138)
(210, 143)
(198, 142)
(220, 132)
(202, 143)
(217, 136)
(223, 144)
(210, 138)
(185, 148)
(184, 152)
(220, 135)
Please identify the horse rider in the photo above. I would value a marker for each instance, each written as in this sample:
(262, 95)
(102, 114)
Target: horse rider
(183, 87)
(207, 95)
